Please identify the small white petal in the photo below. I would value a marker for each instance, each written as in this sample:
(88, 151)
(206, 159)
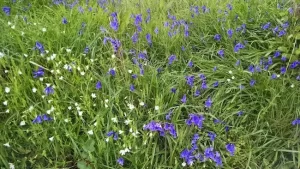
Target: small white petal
(230, 72)
(142, 103)
(66, 120)
(107, 139)
(156, 107)
(51, 138)
(22, 123)
(7, 89)
(44, 29)
(183, 164)
(130, 71)
(292, 86)
(90, 132)
(20, 72)
(93, 95)
(113, 56)
(70, 107)
(80, 113)
(5, 103)
(11, 166)
(121, 132)
(6, 144)
(7, 111)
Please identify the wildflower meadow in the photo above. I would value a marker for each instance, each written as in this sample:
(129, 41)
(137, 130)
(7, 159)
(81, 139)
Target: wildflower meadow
(149, 84)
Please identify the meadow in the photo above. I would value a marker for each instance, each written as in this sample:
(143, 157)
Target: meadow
(160, 84)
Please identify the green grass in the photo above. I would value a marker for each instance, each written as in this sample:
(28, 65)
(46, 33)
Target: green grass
(263, 135)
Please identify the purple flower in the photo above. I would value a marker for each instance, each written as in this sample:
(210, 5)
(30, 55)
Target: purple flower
(238, 62)
(218, 159)
(298, 77)
(221, 53)
(138, 19)
(273, 76)
(291, 11)
(296, 122)
(187, 155)
(238, 46)
(39, 73)
(64, 20)
(281, 33)
(49, 90)
(114, 22)
(208, 103)
(275, 30)
(230, 148)
(156, 30)
(46, 118)
(168, 116)
(212, 136)
(230, 33)
(283, 58)
(209, 153)
(131, 88)
(204, 85)
(6, 10)
(240, 113)
(112, 72)
(86, 50)
(155, 126)
(252, 82)
(135, 37)
(190, 64)
(134, 76)
(114, 134)
(173, 90)
(251, 68)
(38, 120)
(216, 84)
(197, 93)
(40, 47)
(195, 138)
(295, 64)
(229, 6)
(217, 37)
(285, 25)
(202, 77)
(171, 59)
(98, 85)
(171, 128)
(195, 119)
(120, 161)
(270, 61)
(282, 70)
(183, 99)
(215, 68)
(276, 54)
(148, 38)
(266, 26)
(143, 55)
(190, 80)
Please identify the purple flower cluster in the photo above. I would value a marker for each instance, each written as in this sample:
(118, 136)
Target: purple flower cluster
(162, 128)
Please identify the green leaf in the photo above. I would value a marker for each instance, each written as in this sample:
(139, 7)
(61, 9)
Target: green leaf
(89, 145)
(283, 49)
(83, 165)
(297, 52)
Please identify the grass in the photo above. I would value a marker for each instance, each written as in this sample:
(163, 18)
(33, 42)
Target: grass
(263, 134)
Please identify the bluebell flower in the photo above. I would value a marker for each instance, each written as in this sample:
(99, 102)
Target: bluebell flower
(216, 84)
(197, 93)
(257, 68)
(195, 138)
(110, 133)
(202, 76)
(168, 116)
(296, 122)
(86, 50)
(46, 118)
(49, 90)
(252, 82)
(273, 76)
(217, 37)
(120, 161)
(171, 128)
(229, 6)
(230, 148)
(138, 19)
(195, 119)
(294, 64)
(173, 90)
(285, 25)
(209, 153)
(38, 120)
(183, 99)
(230, 33)
(238, 46)
(171, 59)
(135, 37)
(238, 62)
(282, 70)
(266, 26)
(114, 24)
(208, 103)
(221, 53)
(6, 10)
(148, 16)
(211, 136)
(291, 11)
(155, 126)
(143, 55)
(283, 58)
(215, 68)
(270, 61)
(40, 47)
(190, 64)
(241, 87)
(116, 136)
(39, 73)
(275, 30)
(190, 80)
(218, 159)
(98, 85)
(251, 68)
(112, 72)
(298, 77)
(187, 155)
(131, 88)
(148, 38)
(240, 113)
(134, 76)
(64, 20)
(276, 54)
(156, 30)
(204, 85)
(199, 157)
(281, 33)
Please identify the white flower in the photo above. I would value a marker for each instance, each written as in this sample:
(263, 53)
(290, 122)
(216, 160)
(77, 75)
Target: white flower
(7, 111)
(278, 75)
(90, 132)
(230, 72)
(70, 107)
(66, 120)
(41, 79)
(25, 55)
(82, 73)
(127, 121)
(130, 71)
(130, 130)
(44, 29)
(95, 124)
(131, 106)
(53, 56)
(51, 138)
(92, 60)
(11, 166)
(31, 108)
(228, 80)
(121, 132)
(113, 56)
(106, 106)
(48, 111)
(7, 89)
(19, 72)
(142, 103)
(9, 23)
(232, 77)
(156, 108)
(61, 78)
(22, 33)
(1, 55)
(106, 100)
(13, 27)
(22, 123)
(183, 164)
(5, 71)
(114, 119)
(34, 90)
(80, 113)
(122, 152)
(34, 24)
(68, 50)
(135, 134)
(292, 86)
(5, 103)
(93, 95)
(6, 144)
(94, 105)
(107, 139)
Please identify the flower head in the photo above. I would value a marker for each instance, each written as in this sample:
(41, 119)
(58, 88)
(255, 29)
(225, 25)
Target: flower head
(195, 119)
(120, 161)
(38, 73)
(49, 90)
(171, 59)
(230, 148)
(217, 37)
(98, 85)
(208, 103)
(6, 10)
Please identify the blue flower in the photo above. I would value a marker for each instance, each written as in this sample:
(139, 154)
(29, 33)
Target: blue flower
(173, 90)
(270, 61)
(134, 76)
(202, 77)
(120, 161)
(39, 73)
(204, 85)
(229, 6)
(187, 155)
(215, 68)
(112, 72)
(155, 126)
(238, 62)
(46, 118)
(230, 33)
(86, 50)
(6, 10)
(64, 20)
(171, 59)
(190, 64)
(252, 82)
(298, 77)
(168, 116)
(171, 128)
(156, 30)
(208, 103)
(217, 37)
(296, 122)
(295, 64)
(49, 90)
(218, 159)
(209, 153)
(114, 22)
(148, 38)
(135, 37)
(40, 47)
(197, 93)
(216, 84)
(251, 68)
(281, 33)
(132, 88)
(211, 136)
(266, 26)
(190, 80)
(230, 148)
(283, 58)
(276, 54)
(282, 70)
(285, 25)
(98, 85)
(38, 120)
(273, 76)
(221, 53)
(238, 46)
(242, 87)
(195, 119)
(195, 138)
(183, 99)
(138, 19)
(240, 113)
